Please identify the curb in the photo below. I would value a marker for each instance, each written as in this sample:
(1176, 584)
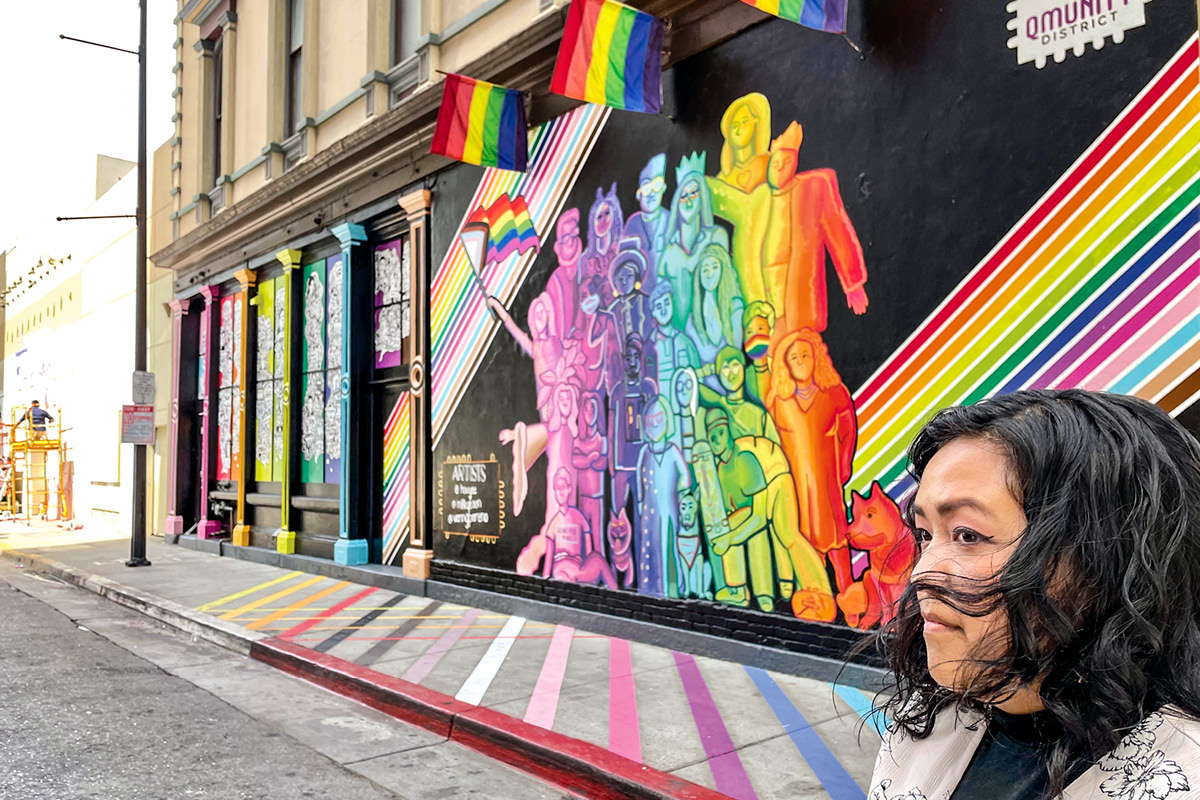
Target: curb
(571, 764)
(205, 626)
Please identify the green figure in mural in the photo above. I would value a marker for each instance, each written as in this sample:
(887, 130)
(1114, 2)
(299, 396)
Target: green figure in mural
(744, 494)
(758, 323)
(748, 418)
(690, 229)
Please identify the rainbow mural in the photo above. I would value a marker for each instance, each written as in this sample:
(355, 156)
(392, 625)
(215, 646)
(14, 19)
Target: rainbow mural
(395, 479)
(1097, 287)
(461, 329)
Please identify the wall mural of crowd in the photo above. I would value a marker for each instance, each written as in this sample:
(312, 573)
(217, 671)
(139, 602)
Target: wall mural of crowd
(695, 434)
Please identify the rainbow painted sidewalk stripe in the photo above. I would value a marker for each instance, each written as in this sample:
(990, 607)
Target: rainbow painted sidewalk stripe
(823, 15)
(482, 123)
(510, 228)
(610, 55)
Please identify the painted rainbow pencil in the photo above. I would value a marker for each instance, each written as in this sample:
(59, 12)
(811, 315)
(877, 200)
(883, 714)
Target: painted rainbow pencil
(823, 15)
(482, 123)
(610, 55)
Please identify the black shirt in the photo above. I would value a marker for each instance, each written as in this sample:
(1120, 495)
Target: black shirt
(1010, 762)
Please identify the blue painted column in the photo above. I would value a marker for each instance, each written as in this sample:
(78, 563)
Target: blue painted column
(357, 326)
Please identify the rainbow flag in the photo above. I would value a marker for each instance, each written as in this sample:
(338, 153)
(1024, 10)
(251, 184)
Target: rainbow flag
(482, 123)
(510, 228)
(823, 15)
(610, 55)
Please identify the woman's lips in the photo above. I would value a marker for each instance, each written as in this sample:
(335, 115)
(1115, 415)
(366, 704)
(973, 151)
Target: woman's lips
(937, 623)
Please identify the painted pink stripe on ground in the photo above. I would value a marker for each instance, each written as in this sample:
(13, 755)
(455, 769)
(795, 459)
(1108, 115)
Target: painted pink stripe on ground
(425, 664)
(624, 733)
(723, 760)
(1115, 337)
(544, 703)
(1136, 349)
(326, 614)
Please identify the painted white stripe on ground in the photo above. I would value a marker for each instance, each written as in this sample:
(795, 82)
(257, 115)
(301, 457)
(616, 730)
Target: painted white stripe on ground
(485, 671)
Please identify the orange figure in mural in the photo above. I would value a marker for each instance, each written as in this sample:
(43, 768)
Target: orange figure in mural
(818, 432)
(806, 219)
(878, 528)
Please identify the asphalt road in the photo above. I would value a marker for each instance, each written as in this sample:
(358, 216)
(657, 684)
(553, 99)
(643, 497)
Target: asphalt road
(100, 702)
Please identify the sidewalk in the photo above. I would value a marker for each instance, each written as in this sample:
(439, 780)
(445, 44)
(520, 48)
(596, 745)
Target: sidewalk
(600, 716)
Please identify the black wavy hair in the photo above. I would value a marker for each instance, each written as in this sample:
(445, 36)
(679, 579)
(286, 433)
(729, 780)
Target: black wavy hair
(1102, 589)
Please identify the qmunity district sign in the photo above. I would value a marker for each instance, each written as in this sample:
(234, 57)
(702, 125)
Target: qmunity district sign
(1045, 29)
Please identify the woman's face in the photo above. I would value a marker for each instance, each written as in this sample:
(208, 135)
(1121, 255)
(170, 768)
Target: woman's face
(800, 362)
(538, 319)
(564, 401)
(589, 300)
(967, 525)
(604, 220)
(710, 274)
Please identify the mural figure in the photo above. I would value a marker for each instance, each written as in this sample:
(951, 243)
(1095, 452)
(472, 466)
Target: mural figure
(716, 524)
(625, 433)
(746, 128)
(600, 344)
(716, 314)
(747, 418)
(605, 222)
(672, 351)
(695, 576)
(878, 529)
(649, 224)
(662, 475)
(758, 325)
(807, 218)
(631, 308)
(684, 401)
(620, 548)
(562, 546)
(563, 286)
(589, 457)
(690, 229)
(818, 431)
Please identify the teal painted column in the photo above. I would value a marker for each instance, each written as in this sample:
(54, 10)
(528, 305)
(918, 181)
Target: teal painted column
(357, 326)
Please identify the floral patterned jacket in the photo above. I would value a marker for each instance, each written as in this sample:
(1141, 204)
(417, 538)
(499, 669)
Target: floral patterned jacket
(1157, 760)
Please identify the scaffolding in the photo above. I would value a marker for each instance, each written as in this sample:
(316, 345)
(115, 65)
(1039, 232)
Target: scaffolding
(35, 474)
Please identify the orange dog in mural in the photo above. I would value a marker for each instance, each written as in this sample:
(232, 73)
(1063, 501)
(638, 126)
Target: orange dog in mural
(878, 529)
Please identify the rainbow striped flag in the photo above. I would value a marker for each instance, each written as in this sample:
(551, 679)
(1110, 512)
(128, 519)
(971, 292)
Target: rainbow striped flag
(610, 55)
(510, 228)
(482, 123)
(823, 15)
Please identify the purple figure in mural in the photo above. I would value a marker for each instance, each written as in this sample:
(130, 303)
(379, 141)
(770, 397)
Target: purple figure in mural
(589, 456)
(649, 224)
(628, 403)
(631, 308)
(601, 346)
(544, 346)
(563, 286)
(562, 546)
(661, 476)
(605, 223)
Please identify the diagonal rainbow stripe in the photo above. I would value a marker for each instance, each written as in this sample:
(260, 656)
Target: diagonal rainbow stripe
(395, 479)
(461, 329)
(1098, 286)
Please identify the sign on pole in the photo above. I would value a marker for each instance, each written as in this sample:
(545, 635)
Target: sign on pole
(137, 424)
(143, 387)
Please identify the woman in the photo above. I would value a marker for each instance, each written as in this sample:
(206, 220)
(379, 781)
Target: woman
(716, 310)
(1049, 641)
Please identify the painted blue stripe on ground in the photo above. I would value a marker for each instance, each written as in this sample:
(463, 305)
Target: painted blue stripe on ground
(824, 764)
(862, 706)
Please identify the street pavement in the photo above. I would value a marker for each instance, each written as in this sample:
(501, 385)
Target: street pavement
(101, 702)
(745, 732)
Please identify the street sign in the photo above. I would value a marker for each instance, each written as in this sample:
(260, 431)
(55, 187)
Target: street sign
(143, 388)
(137, 424)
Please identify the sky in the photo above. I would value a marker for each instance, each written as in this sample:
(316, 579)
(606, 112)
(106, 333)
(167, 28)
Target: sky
(62, 102)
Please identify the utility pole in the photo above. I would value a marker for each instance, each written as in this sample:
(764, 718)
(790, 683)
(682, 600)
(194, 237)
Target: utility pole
(137, 539)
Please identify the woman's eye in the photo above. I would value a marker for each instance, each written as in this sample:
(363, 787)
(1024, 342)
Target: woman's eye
(968, 536)
(922, 536)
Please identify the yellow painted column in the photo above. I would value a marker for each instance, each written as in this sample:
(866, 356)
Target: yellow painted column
(285, 539)
(246, 279)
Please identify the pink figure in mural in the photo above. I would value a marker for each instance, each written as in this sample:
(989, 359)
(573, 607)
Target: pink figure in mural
(544, 346)
(878, 529)
(605, 224)
(662, 475)
(807, 219)
(600, 344)
(620, 547)
(818, 433)
(558, 402)
(563, 286)
(562, 545)
(589, 457)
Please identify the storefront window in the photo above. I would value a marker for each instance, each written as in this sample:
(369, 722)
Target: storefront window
(392, 303)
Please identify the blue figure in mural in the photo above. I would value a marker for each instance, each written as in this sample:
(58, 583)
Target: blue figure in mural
(672, 349)
(605, 224)
(746, 418)
(649, 224)
(662, 475)
(589, 456)
(690, 229)
(631, 307)
(695, 575)
(716, 316)
(625, 434)
(685, 401)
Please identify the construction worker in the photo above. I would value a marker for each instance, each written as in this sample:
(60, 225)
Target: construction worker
(37, 417)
